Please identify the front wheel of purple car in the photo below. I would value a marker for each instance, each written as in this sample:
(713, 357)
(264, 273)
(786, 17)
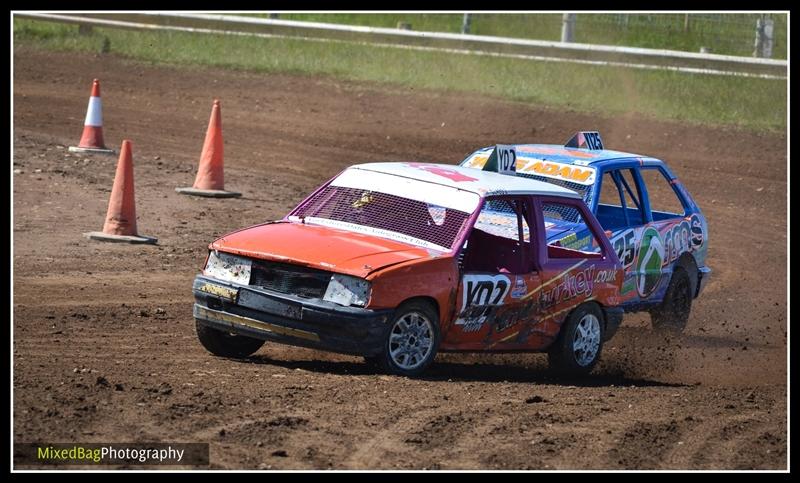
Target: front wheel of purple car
(411, 341)
(673, 313)
(225, 344)
(580, 342)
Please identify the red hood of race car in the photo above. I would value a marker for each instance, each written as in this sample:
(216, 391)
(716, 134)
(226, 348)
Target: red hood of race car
(320, 247)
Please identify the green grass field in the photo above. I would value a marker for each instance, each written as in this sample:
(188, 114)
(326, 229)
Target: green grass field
(721, 100)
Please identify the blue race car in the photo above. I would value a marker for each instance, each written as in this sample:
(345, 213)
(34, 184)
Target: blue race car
(656, 228)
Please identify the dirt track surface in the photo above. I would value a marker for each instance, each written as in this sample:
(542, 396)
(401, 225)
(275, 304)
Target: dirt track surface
(104, 342)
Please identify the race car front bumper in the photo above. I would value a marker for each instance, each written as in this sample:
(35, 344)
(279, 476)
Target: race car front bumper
(287, 319)
(703, 275)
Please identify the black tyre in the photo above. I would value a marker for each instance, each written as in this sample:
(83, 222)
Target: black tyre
(225, 344)
(673, 313)
(372, 361)
(411, 341)
(580, 342)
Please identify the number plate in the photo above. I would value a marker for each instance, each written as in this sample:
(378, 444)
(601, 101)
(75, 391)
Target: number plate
(506, 159)
(220, 291)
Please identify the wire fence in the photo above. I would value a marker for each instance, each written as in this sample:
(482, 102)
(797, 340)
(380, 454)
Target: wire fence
(751, 34)
(729, 34)
(437, 35)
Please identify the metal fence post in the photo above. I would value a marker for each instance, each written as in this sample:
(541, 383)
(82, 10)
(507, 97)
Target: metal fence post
(759, 39)
(465, 23)
(766, 44)
(765, 28)
(568, 28)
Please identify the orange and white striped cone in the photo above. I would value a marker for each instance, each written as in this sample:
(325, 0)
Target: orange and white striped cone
(210, 180)
(92, 138)
(120, 224)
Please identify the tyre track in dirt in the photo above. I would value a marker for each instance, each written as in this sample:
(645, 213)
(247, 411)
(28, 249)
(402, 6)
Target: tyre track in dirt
(86, 312)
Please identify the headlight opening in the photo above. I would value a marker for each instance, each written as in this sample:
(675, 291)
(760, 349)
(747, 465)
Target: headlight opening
(227, 267)
(346, 290)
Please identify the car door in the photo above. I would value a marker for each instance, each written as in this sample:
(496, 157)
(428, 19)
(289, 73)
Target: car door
(498, 270)
(622, 213)
(585, 270)
(670, 232)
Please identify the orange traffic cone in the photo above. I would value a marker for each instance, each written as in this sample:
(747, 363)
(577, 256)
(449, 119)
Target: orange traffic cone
(210, 180)
(120, 225)
(92, 138)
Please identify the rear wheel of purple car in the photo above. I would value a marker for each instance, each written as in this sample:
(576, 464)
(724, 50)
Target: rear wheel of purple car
(673, 313)
(580, 342)
(412, 339)
(225, 344)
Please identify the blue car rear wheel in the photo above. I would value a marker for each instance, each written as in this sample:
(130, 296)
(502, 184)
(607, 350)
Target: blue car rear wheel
(673, 313)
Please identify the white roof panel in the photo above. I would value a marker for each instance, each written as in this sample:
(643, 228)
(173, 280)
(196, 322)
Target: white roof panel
(484, 183)
(407, 187)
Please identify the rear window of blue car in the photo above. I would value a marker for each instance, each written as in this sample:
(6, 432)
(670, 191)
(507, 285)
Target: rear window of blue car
(583, 190)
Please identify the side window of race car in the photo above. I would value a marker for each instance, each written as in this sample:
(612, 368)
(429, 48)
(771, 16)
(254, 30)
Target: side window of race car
(500, 241)
(576, 238)
(620, 204)
(633, 197)
(664, 201)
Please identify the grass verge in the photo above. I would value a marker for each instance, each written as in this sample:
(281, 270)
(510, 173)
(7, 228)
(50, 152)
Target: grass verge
(720, 100)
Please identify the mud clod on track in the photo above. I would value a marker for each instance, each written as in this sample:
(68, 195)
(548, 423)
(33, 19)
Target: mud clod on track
(104, 342)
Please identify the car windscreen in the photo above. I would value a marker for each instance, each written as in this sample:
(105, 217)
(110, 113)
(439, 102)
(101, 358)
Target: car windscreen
(420, 213)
